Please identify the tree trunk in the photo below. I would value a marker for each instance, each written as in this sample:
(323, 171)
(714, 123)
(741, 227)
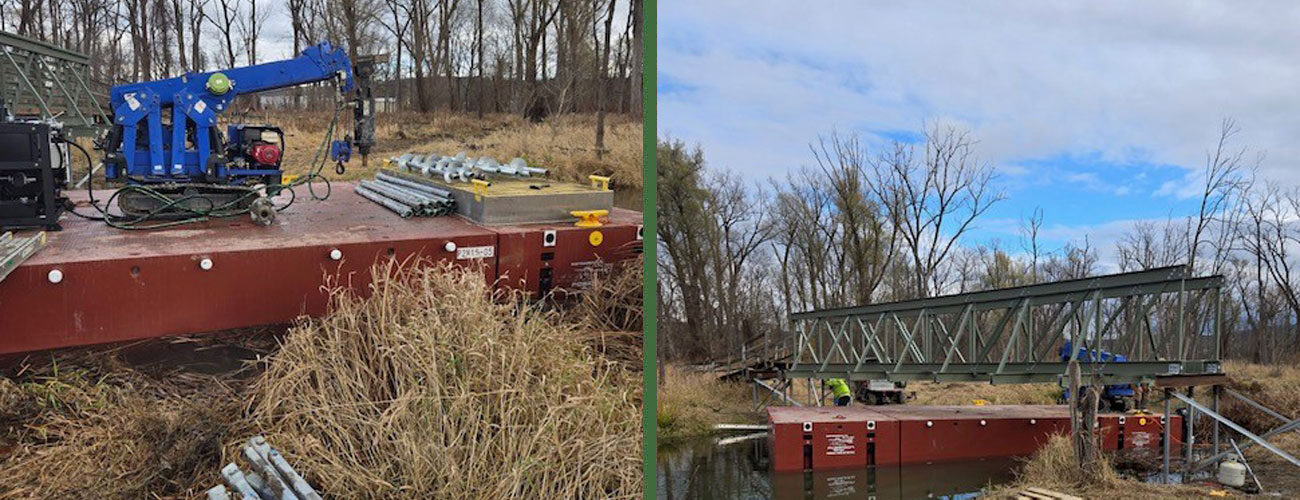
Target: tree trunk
(180, 34)
(602, 79)
(636, 78)
(478, 43)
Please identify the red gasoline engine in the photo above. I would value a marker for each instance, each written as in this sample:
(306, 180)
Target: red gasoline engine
(257, 150)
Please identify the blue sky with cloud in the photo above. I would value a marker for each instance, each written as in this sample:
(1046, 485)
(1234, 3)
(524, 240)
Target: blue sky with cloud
(1098, 112)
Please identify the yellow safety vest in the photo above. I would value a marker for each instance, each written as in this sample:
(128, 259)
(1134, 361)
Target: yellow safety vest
(839, 387)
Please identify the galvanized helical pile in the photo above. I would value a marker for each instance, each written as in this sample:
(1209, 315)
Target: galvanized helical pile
(407, 198)
(462, 168)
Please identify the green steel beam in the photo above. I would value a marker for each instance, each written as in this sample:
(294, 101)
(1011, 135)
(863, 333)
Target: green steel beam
(43, 48)
(1169, 286)
(1011, 373)
(1139, 282)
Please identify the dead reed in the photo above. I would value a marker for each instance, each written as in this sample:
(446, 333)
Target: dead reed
(74, 433)
(1054, 467)
(690, 403)
(434, 388)
(609, 313)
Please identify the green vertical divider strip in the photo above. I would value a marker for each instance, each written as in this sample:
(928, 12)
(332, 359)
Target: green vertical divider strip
(649, 130)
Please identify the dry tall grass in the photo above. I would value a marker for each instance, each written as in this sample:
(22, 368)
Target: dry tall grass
(430, 388)
(949, 393)
(609, 313)
(74, 433)
(1054, 467)
(690, 403)
(1274, 386)
(565, 144)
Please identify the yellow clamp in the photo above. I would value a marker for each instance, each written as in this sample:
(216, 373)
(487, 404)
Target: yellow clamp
(979, 402)
(589, 218)
(600, 182)
(288, 178)
(480, 188)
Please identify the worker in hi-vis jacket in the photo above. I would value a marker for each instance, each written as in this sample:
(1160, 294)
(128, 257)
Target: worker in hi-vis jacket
(840, 389)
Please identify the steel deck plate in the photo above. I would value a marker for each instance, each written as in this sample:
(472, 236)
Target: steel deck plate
(822, 414)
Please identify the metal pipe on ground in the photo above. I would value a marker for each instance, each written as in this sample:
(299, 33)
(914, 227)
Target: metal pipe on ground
(1284, 428)
(432, 206)
(396, 206)
(1246, 464)
(1242, 430)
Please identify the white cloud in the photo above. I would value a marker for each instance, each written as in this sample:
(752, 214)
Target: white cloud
(1012, 170)
(1189, 186)
(1033, 79)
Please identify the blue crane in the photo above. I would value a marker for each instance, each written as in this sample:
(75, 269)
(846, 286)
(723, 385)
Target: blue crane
(165, 141)
(151, 150)
(1118, 396)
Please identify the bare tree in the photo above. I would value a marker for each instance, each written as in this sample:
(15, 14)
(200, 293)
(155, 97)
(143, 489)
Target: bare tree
(1223, 184)
(1272, 215)
(869, 243)
(250, 29)
(478, 47)
(1029, 231)
(933, 202)
(226, 18)
(178, 16)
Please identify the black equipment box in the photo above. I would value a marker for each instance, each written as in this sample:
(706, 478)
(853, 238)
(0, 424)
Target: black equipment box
(32, 177)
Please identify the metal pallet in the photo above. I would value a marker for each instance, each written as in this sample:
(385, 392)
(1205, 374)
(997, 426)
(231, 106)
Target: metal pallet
(13, 251)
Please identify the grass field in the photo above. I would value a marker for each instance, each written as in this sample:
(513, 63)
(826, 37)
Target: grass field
(565, 144)
(691, 403)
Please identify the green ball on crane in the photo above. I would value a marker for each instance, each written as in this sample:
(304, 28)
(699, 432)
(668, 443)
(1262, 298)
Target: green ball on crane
(218, 83)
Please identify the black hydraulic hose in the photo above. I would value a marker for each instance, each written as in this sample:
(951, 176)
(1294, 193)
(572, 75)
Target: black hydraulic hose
(90, 180)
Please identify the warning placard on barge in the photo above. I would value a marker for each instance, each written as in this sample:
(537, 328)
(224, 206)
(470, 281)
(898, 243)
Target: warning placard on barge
(839, 444)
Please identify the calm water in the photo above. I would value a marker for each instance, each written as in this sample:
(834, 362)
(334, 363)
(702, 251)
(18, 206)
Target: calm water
(701, 469)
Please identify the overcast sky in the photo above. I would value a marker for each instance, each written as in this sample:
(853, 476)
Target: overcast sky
(1098, 112)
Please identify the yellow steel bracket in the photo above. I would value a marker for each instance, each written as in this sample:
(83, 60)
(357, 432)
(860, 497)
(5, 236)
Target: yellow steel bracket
(589, 218)
(288, 178)
(980, 402)
(480, 188)
(600, 182)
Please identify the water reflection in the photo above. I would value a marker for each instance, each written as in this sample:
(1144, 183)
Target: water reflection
(741, 471)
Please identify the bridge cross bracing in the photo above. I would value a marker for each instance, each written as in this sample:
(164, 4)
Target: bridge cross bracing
(1162, 320)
